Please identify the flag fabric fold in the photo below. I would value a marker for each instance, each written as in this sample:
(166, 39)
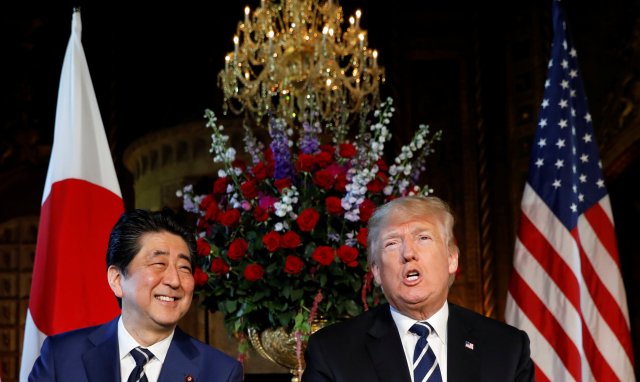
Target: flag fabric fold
(566, 287)
(80, 204)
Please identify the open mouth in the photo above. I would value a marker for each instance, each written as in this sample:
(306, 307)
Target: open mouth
(412, 275)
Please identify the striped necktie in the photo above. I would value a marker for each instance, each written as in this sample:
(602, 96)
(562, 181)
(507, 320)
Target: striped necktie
(141, 356)
(425, 364)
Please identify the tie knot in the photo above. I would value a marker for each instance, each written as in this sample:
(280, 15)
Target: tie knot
(141, 356)
(421, 328)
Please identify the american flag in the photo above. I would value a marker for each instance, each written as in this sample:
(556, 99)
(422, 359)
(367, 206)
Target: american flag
(566, 287)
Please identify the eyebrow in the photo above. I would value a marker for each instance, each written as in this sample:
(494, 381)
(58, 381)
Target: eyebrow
(160, 252)
(414, 231)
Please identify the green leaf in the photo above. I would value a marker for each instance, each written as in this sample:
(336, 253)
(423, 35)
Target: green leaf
(352, 308)
(297, 294)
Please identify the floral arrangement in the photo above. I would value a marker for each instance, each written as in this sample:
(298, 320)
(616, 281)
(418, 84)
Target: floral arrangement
(282, 239)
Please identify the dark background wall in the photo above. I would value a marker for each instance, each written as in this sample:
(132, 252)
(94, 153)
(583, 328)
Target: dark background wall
(472, 69)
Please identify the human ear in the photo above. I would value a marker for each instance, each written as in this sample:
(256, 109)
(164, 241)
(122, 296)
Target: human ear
(453, 260)
(114, 276)
(376, 274)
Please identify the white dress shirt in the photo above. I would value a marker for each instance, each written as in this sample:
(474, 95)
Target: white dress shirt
(126, 343)
(437, 340)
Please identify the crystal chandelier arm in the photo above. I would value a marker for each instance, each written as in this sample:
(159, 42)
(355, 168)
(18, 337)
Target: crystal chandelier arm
(292, 56)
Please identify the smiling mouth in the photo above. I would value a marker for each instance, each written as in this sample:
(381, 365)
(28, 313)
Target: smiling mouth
(166, 298)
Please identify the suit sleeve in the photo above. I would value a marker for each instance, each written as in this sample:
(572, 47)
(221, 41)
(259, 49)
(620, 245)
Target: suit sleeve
(44, 368)
(316, 369)
(237, 374)
(525, 370)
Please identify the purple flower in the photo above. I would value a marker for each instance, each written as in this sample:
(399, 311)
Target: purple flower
(280, 148)
(309, 143)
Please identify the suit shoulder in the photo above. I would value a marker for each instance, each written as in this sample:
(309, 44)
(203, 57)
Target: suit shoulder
(211, 353)
(486, 324)
(72, 336)
(351, 326)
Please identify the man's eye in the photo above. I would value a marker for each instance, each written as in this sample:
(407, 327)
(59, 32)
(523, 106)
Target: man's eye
(389, 244)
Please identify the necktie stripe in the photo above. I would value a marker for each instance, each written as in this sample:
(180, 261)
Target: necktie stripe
(141, 356)
(425, 364)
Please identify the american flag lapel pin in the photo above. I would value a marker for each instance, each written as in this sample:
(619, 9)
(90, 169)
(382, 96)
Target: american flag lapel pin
(468, 345)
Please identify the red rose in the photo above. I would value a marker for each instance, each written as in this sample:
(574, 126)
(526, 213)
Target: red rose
(272, 241)
(268, 154)
(324, 255)
(253, 272)
(283, 183)
(249, 189)
(219, 267)
(366, 210)
(260, 214)
(290, 240)
(202, 224)
(330, 149)
(363, 233)
(206, 202)
(324, 179)
(293, 265)
(347, 150)
(200, 277)
(307, 219)
(229, 218)
(341, 183)
(348, 255)
(237, 249)
(260, 170)
(213, 212)
(378, 183)
(305, 162)
(334, 205)
(382, 165)
(203, 247)
(324, 159)
(220, 185)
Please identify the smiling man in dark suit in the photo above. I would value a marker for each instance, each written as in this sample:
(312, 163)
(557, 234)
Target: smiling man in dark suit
(418, 336)
(150, 265)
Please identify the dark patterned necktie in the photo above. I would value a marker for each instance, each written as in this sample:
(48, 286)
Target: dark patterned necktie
(141, 356)
(425, 364)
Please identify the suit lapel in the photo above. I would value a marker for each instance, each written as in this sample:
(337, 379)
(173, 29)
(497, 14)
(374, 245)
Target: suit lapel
(385, 348)
(181, 361)
(102, 363)
(463, 359)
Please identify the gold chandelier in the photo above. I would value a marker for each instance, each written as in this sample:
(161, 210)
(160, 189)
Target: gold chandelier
(292, 60)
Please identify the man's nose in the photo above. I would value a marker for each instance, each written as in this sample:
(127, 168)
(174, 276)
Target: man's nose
(409, 252)
(171, 277)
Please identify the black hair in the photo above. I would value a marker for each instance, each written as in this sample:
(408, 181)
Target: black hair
(124, 241)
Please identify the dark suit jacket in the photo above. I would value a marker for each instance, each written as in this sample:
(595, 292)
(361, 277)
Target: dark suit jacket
(92, 355)
(368, 348)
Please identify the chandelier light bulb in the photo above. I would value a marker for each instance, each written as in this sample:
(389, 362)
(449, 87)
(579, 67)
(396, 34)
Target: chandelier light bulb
(292, 59)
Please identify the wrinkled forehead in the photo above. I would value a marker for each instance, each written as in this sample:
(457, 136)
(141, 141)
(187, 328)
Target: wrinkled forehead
(425, 217)
(405, 214)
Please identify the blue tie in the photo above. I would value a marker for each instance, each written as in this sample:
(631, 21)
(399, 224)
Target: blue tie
(425, 364)
(141, 356)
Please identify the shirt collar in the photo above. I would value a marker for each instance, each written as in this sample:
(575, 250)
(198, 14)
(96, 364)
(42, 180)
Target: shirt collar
(438, 321)
(126, 343)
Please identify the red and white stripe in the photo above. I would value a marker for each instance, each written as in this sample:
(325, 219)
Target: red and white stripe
(80, 205)
(566, 292)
